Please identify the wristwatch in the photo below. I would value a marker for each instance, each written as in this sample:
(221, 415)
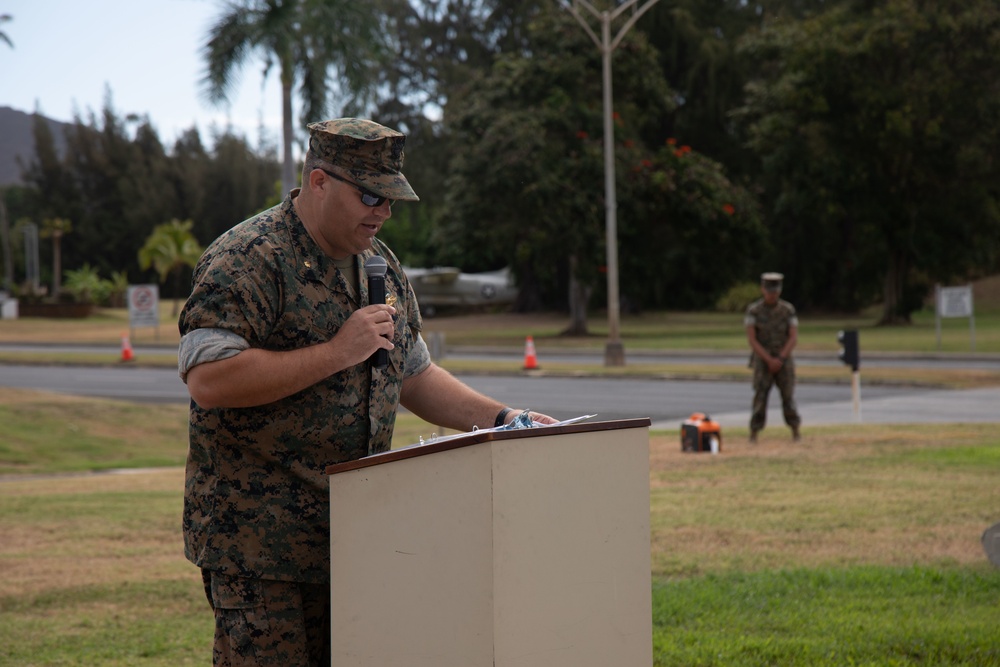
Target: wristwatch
(502, 417)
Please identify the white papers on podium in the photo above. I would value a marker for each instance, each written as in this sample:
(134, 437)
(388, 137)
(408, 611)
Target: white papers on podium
(534, 424)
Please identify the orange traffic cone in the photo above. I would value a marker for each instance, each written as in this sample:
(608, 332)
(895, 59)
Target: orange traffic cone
(126, 348)
(530, 360)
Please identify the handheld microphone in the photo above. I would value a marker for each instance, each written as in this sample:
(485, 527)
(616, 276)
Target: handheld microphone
(375, 268)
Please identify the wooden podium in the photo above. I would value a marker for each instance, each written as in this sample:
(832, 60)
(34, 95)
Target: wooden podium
(526, 548)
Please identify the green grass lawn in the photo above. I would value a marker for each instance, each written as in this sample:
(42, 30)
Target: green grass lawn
(857, 546)
(862, 615)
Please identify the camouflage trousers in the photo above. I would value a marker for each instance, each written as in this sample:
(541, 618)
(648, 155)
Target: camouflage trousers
(763, 380)
(259, 622)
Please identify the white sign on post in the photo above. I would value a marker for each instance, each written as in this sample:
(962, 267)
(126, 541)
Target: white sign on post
(143, 306)
(955, 302)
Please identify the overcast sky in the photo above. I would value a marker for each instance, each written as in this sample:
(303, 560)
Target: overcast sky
(68, 53)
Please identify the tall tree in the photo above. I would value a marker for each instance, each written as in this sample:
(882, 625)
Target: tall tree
(116, 183)
(304, 39)
(55, 197)
(440, 46)
(876, 125)
(189, 174)
(118, 170)
(241, 184)
(690, 232)
(55, 191)
(697, 42)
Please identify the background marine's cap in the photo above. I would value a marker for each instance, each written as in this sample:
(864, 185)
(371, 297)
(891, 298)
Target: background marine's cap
(371, 154)
(771, 281)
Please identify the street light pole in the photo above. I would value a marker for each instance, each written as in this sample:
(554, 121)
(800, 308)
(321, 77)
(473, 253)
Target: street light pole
(614, 351)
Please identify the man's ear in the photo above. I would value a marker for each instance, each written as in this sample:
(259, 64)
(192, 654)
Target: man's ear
(317, 181)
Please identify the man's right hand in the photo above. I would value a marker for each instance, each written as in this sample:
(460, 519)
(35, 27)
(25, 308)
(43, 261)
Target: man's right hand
(365, 331)
(774, 364)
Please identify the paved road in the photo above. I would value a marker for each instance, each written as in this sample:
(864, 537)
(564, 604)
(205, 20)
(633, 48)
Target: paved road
(983, 361)
(666, 403)
(988, 361)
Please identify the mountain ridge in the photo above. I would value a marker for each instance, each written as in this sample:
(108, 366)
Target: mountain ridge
(17, 142)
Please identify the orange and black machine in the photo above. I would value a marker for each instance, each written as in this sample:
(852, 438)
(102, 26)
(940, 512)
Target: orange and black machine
(700, 434)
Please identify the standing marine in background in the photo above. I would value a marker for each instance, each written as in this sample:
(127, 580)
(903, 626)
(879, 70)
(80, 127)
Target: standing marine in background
(772, 331)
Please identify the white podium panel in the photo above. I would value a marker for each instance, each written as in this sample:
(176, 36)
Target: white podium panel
(504, 549)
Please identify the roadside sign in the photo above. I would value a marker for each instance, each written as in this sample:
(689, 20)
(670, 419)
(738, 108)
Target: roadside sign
(954, 302)
(143, 306)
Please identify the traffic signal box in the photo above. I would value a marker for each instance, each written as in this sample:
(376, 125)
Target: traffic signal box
(700, 434)
(849, 353)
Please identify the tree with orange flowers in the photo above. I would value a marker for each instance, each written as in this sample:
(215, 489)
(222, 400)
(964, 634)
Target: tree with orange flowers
(528, 190)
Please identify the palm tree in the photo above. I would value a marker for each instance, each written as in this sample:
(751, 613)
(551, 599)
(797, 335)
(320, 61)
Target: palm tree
(4, 18)
(55, 229)
(168, 249)
(305, 39)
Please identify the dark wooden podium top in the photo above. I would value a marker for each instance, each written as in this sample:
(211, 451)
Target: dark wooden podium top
(476, 437)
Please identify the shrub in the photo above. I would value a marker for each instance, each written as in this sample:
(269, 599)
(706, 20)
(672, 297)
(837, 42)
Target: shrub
(85, 285)
(738, 298)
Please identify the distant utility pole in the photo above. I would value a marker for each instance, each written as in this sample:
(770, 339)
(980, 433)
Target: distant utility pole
(31, 272)
(8, 259)
(614, 351)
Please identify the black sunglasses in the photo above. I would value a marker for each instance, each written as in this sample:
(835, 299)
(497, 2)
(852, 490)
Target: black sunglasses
(368, 198)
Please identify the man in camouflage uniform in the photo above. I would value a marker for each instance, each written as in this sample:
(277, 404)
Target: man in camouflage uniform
(772, 330)
(276, 338)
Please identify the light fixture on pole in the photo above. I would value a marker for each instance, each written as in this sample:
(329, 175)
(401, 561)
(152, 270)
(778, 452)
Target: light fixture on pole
(614, 351)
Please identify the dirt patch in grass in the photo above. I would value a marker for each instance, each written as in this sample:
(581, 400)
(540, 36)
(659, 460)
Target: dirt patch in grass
(40, 575)
(73, 542)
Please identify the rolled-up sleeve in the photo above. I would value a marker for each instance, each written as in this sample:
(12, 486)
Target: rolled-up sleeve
(418, 358)
(203, 345)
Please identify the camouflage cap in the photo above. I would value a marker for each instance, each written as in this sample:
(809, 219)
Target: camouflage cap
(772, 281)
(371, 153)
